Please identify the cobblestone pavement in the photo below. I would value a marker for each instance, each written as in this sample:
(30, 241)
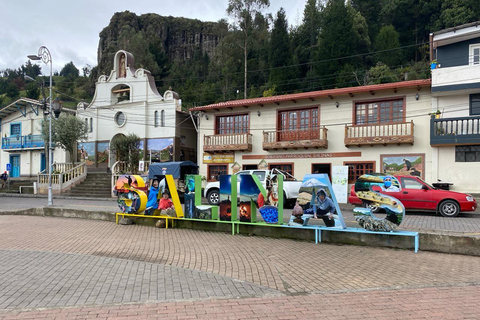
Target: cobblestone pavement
(95, 269)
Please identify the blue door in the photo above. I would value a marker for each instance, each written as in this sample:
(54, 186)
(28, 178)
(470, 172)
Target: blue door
(43, 162)
(15, 162)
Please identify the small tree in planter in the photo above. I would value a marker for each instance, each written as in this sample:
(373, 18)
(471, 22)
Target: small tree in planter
(127, 149)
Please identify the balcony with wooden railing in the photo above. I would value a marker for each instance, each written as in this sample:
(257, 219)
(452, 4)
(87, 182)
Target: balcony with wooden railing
(382, 134)
(228, 142)
(455, 131)
(294, 139)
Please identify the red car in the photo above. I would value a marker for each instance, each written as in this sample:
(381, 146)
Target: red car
(416, 194)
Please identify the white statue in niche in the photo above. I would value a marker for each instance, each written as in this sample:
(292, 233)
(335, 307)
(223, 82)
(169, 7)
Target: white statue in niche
(123, 69)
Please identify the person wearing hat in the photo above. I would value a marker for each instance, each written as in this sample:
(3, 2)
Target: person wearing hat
(325, 208)
(166, 205)
(4, 178)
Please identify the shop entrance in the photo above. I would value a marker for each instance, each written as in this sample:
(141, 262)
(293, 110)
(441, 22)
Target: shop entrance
(322, 168)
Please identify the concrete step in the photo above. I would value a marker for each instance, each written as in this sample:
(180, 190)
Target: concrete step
(102, 196)
(87, 190)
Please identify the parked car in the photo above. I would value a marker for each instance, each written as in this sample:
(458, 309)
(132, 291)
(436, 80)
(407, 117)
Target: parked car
(290, 185)
(416, 194)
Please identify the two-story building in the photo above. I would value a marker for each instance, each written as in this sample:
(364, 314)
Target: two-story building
(374, 128)
(455, 132)
(23, 147)
(127, 101)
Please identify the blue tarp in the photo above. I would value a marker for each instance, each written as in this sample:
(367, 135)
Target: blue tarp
(176, 169)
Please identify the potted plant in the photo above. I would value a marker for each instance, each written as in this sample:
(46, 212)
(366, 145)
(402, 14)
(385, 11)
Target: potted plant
(435, 115)
(433, 64)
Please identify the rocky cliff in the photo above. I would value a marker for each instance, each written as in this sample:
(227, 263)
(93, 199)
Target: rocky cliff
(154, 37)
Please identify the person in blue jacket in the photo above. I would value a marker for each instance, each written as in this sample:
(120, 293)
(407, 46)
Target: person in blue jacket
(152, 202)
(325, 208)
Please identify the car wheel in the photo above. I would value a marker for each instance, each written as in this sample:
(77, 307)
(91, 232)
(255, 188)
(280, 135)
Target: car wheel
(449, 208)
(372, 206)
(213, 197)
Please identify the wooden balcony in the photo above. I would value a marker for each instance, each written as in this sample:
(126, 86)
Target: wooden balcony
(228, 142)
(455, 131)
(383, 134)
(295, 139)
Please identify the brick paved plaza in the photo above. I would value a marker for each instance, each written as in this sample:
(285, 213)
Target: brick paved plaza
(60, 268)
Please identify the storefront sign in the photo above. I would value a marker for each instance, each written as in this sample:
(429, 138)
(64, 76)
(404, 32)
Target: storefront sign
(218, 158)
(302, 155)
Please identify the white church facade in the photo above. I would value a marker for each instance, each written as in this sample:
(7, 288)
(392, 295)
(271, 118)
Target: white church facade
(127, 101)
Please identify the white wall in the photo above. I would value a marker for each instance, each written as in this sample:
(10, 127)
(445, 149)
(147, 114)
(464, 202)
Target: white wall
(334, 119)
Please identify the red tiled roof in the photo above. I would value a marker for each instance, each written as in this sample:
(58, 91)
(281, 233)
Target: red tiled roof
(315, 94)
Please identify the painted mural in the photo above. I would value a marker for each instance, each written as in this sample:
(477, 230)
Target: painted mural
(403, 164)
(102, 152)
(161, 150)
(86, 152)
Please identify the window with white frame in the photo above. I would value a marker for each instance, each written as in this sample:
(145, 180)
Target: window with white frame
(474, 57)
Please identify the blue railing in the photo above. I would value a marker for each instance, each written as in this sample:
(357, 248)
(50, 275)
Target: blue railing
(23, 142)
(455, 131)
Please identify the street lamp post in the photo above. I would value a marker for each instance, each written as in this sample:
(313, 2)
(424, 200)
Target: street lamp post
(44, 55)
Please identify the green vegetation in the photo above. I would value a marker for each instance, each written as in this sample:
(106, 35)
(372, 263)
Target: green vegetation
(337, 44)
(66, 131)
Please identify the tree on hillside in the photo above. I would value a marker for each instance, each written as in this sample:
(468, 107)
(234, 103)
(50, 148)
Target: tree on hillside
(31, 70)
(243, 11)
(280, 55)
(458, 12)
(370, 10)
(69, 70)
(388, 39)
(32, 90)
(257, 61)
(305, 37)
(335, 42)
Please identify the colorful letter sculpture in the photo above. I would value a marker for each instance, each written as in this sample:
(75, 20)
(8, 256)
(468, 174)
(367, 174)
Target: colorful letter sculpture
(130, 198)
(366, 190)
(309, 201)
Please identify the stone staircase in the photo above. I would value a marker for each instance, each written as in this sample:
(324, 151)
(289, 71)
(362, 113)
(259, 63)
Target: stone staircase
(96, 185)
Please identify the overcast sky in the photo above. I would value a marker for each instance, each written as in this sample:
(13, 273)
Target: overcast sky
(70, 29)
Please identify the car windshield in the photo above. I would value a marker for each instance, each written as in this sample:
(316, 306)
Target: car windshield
(414, 183)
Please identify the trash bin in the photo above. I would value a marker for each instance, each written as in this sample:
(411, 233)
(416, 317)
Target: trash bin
(442, 185)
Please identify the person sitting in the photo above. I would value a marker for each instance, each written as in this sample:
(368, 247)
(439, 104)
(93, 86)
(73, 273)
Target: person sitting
(325, 208)
(166, 205)
(152, 198)
(388, 186)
